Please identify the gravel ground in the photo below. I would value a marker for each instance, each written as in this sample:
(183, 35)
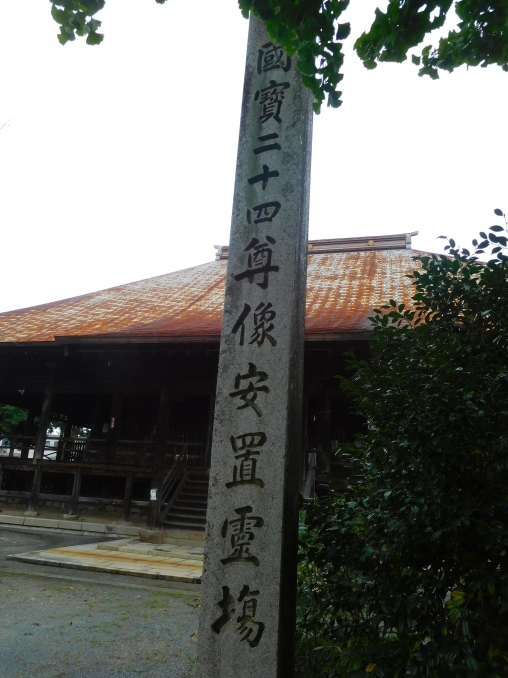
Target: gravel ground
(104, 627)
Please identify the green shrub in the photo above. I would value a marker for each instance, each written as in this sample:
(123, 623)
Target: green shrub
(406, 573)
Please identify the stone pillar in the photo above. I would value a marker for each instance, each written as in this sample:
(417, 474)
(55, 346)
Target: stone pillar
(247, 620)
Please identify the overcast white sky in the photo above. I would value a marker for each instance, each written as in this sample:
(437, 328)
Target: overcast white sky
(118, 161)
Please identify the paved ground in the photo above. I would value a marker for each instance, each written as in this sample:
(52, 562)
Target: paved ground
(58, 623)
(97, 522)
(157, 565)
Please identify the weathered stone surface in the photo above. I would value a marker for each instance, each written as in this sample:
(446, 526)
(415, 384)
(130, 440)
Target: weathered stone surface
(69, 525)
(249, 582)
(12, 520)
(41, 522)
(151, 536)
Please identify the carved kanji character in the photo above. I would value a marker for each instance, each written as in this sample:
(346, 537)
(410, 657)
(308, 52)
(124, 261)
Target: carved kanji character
(250, 393)
(263, 177)
(246, 448)
(249, 629)
(247, 441)
(244, 473)
(240, 323)
(259, 261)
(268, 147)
(263, 325)
(242, 532)
(270, 99)
(265, 212)
(271, 57)
(228, 607)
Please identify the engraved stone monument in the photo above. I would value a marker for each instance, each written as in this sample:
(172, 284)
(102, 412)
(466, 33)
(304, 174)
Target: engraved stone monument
(247, 618)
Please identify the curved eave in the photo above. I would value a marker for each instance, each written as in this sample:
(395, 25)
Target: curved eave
(186, 306)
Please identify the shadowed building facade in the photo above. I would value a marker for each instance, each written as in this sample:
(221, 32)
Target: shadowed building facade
(135, 367)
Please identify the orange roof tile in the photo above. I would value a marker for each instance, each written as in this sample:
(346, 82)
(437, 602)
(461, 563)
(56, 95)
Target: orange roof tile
(342, 289)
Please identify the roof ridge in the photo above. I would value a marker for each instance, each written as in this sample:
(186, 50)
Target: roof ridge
(395, 241)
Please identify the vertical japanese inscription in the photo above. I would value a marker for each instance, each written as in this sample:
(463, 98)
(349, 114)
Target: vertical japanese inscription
(251, 522)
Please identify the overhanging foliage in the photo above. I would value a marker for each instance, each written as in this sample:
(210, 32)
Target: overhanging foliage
(315, 31)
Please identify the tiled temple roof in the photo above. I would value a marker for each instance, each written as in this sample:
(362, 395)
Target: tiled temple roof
(347, 278)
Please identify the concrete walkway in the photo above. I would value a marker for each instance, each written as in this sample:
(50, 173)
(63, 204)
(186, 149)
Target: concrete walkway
(52, 519)
(179, 560)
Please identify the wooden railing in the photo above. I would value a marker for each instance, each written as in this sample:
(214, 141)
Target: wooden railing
(95, 450)
(173, 483)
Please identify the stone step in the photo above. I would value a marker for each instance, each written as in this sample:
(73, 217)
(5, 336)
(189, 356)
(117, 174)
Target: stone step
(188, 510)
(192, 552)
(191, 510)
(178, 536)
(192, 500)
(177, 524)
(188, 496)
(184, 518)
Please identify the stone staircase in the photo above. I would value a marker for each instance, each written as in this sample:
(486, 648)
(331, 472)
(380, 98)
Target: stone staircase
(180, 544)
(188, 511)
(179, 558)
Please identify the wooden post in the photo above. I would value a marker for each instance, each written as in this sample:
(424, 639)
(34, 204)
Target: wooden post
(96, 427)
(129, 483)
(248, 595)
(76, 486)
(209, 432)
(66, 434)
(161, 437)
(32, 504)
(40, 442)
(28, 430)
(114, 423)
(47, 401)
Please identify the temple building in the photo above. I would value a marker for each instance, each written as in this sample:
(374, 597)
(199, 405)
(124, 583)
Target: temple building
(133, 370)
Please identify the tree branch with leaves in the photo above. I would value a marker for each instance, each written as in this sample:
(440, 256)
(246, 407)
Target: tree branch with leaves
(314, 30)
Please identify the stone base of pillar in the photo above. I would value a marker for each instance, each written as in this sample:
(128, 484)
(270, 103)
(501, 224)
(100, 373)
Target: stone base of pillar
(31, 514)
(70, 516)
